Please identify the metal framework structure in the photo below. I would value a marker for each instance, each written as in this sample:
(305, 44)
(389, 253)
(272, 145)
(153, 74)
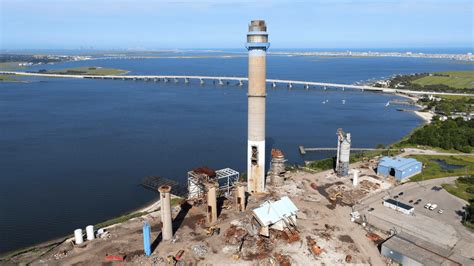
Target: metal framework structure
(226, 178)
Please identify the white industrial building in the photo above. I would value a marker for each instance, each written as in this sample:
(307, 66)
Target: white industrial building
(399, 206)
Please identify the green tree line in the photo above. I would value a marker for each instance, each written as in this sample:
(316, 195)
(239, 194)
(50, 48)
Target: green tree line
(450, 134)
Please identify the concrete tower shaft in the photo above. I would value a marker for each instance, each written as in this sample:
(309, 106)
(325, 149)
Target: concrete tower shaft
(257, 45)
(166, 219)
(343, 152)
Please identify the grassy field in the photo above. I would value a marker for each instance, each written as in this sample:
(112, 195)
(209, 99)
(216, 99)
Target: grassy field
(455, 79)
(10, 65)
(454, 97)
(88, 71)
(433, 169)
(458, 189)
(7, 78)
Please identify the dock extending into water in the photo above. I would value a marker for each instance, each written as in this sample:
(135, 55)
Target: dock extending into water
(304, 150)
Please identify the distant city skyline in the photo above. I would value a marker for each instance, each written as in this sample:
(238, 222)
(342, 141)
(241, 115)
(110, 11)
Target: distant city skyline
(142, 24)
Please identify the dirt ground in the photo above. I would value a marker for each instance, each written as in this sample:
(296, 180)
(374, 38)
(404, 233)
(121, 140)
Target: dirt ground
(326, 235)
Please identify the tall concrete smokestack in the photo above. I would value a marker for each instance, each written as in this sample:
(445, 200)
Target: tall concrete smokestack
(167, 230)
(257, 45)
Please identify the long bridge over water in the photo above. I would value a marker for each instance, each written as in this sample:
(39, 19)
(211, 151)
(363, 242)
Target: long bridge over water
(224, 80)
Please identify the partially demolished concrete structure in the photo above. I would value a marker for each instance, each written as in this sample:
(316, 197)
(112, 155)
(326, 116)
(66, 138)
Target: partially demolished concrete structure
(199, 177)
(277, 168)
(278, 215)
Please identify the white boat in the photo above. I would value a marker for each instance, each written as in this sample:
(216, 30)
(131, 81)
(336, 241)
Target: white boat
(343, 101)
(387, 104)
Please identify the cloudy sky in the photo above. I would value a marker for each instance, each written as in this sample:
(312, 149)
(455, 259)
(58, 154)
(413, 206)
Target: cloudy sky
(159, 24)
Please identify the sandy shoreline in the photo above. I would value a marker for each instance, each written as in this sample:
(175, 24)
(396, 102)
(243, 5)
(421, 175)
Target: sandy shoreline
(150, 207)
(426, 116)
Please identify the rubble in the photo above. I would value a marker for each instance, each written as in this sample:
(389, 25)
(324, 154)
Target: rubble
(323, 236)
(200, 249)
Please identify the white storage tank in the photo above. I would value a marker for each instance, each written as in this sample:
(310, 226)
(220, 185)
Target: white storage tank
(90, 232)
(78, 236)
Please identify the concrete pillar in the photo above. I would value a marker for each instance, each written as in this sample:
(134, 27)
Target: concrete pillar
(165, 200)
(257, 45)
(211, 203)
(240, 197)
(355, 179)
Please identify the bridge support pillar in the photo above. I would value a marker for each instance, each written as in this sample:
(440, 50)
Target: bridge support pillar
(186, 80)
(274, 85)
(241, 83)
(306, 87)
(201, 81)
(175, 80)
(290, 85)
(221, 82)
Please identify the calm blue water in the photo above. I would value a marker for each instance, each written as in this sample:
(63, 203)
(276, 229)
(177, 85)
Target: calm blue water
(73, 152)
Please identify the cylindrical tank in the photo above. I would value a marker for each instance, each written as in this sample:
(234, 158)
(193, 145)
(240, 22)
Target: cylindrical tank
(78, 236)
(90, 232)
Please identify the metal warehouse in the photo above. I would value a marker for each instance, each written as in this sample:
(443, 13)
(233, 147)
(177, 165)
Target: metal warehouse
(398, 167)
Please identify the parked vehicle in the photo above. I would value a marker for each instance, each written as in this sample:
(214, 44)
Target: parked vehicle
(371, 209)
(440, 211)
(411, 201)
(427, 206)
(433, 206)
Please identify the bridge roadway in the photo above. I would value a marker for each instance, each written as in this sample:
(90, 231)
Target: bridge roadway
(222, 80)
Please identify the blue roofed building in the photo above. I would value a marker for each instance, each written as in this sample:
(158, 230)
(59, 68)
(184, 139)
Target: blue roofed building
(399, 167)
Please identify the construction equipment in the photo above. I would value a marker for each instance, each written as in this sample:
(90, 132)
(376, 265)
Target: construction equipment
(236, 255)
(227, 205)
(170, 260)
(213, 230)
(179, 255)
(334, 196)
